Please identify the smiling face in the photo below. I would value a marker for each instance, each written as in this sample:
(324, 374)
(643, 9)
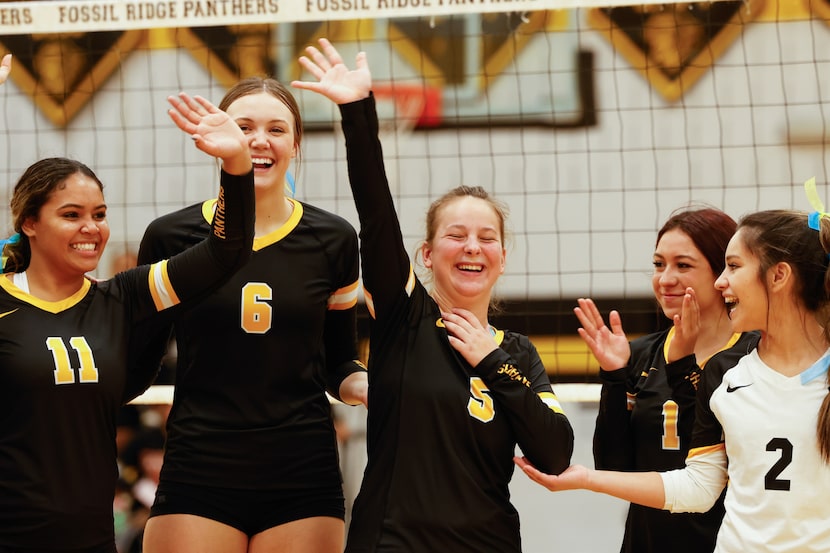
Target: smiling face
(679, 264)
(466, 253)
(269, 126)
(70, 231)
(743, 291)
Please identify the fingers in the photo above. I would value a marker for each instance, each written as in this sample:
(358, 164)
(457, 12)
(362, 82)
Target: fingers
(5, 67)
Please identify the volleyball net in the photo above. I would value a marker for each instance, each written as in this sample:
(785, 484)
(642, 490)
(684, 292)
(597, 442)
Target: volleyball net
(592, 121)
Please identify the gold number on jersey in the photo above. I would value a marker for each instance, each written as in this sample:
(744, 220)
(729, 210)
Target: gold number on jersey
(64, 373)
(256, 313)
(480, 406)
(671, 440)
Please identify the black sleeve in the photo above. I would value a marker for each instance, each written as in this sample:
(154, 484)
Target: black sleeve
(613, 445)
(542, 430)
(198, 271)
(194, 273)
(386, 264)
(340, 337)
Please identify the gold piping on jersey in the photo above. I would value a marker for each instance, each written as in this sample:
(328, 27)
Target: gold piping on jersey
(344, 298)
(209, 207)
(705, 450)
(550, 399)
(49, 306)
(161, 289)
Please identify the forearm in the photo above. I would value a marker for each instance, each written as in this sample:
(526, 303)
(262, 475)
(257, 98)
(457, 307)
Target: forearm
(642, 488)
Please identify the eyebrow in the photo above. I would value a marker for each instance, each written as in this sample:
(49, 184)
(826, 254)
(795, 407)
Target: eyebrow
(79, 206)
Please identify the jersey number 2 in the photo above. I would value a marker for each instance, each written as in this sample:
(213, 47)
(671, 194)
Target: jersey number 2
(64, 373)
(771, 480)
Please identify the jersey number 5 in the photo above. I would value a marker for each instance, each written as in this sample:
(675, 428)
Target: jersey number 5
(480, 406)
(64, 373)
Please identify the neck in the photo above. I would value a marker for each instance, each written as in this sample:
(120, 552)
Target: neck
(47, 286)
(272, 211)
(479, 308)
(715, 333)
(792, 341)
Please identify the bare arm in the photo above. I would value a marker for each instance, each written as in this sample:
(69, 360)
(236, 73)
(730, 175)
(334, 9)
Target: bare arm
(642, 488)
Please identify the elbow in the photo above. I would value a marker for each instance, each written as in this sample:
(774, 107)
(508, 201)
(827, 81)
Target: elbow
(556, 456)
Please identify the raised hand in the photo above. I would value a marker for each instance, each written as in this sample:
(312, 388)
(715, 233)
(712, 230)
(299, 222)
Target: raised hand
(468, 336)
(5, 68)
(686, 328)
(213, 131)
(335, 80)
(610, 347)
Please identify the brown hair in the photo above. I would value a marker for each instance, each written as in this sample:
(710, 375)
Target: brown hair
(709, 228)
(31, 192)
(776, 236)
(256, 85)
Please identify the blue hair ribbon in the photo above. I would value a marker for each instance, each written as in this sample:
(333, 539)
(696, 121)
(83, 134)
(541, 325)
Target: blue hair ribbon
(814, 218)
(289, 184)
(13, 239)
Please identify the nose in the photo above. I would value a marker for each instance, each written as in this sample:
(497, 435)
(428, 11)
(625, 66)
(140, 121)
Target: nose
(258, 139)
(90, 227)
(721, 283)
(472, 245)
(668, 276)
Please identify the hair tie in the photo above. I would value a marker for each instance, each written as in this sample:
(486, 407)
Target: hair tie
(290, 187)
(13, 239)
(814, 218)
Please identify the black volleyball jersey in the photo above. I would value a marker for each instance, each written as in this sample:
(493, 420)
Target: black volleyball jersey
(63, 368)
(441, 434)
(256, 357)
(645, 423)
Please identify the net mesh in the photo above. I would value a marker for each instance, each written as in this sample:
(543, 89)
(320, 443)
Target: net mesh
(592, 121)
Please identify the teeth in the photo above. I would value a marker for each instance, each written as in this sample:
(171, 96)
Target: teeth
(731, 302)
(476, 268)
(86, 246)
(262, 161)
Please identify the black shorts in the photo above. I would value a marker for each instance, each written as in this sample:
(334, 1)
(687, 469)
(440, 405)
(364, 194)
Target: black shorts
(249, 511)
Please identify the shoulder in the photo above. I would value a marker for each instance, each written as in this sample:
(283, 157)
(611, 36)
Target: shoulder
(318, 215)
(644, 345)
(187, 216)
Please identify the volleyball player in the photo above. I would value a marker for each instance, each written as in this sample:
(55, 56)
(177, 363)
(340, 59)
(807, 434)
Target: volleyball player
(647, 404)
(450, 395)
(251, 456)
(766, 428)
(64, 337)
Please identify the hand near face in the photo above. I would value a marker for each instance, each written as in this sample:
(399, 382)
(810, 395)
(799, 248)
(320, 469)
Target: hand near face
(609, 346)
(213, 131)
(468, 336)
(686, 328)
(335, 81)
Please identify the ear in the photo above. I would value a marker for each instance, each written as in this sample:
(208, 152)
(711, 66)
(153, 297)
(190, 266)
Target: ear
(28, 227)
(503, 261)
(426, 254)
(780, 276)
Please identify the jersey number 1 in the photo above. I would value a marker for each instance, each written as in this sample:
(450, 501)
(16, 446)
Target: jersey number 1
(64, 373)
